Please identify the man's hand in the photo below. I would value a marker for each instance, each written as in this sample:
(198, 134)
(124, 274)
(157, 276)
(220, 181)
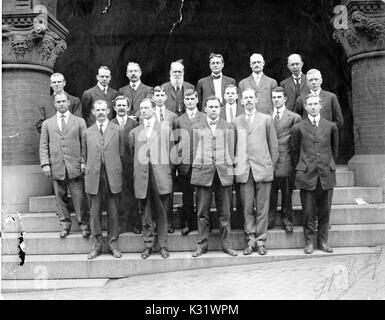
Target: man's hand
(82, 167)
(47, 170)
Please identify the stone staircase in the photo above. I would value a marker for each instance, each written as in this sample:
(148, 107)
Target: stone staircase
(53, 263)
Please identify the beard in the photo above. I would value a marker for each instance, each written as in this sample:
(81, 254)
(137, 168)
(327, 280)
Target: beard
(176, 82)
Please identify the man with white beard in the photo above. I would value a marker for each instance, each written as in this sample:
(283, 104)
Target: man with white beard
(176, 87)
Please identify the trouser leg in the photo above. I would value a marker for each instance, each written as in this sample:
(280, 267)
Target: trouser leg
(188, 215)
(323, 203)
(61, 197)
(203, 204)
(308, 202)
(247, 198)
(273, 202)
(286, 203)
(96, 220)
(262, 192)
(79, 200)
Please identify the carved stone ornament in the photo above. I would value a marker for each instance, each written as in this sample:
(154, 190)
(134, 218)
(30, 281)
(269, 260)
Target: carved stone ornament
(51, 46)
(365, 32)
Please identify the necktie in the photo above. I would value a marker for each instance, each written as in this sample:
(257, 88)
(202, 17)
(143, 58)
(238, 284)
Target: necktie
(192, 116)
(314, 123)
(231, 114)
(248, 118)
(133, 86)
(276, 118)
(122, 123)
(101, 129)
(63, 124)
(297, 86)
(161, 115)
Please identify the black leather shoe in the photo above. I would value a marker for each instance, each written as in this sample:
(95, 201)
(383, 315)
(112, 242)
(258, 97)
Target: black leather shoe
(93, 254)
(198, 252)
(185, 231)
(248, 250)
(64, 233)
(86, 233)
(261, 250)
(288, 228)
(324, 247)
(137, 229)
(309, 248)
(230, 252)
(164, 253)
(146, 253)
(170, 230)
(116, 253)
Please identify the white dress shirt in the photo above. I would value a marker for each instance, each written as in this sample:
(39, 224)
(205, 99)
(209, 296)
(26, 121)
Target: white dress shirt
(257, 77)
(105, 123)
(191, 113)
(59, 117)
(316, 119)
(316, 92)
(218, 87)
(231, 108)
(212, 126)
(104, 89)
(121, 119)
(136, 84)
(250, 116)
(148, 126)
(298, 78)
(157, 110)
(279, 111)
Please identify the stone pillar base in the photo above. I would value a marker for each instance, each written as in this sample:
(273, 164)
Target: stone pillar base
(369, 169)
(21, 182)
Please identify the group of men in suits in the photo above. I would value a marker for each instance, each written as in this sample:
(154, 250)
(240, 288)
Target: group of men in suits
(219, 138)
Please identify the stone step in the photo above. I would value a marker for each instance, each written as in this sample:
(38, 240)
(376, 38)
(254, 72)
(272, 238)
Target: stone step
(50, 284)
(342, 195)
(71, 265)
(49, 243)
(340, 214)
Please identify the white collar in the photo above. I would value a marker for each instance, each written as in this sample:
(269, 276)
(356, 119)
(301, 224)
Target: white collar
(150, 121)
(280, 110)
(316, 92)
(299, 77)
(120, 119)
(316, 118)
(66, 114)
(257, 76)
(231, 105)
(137, 83)
(193, 111)
(105, 123)
(101, 87)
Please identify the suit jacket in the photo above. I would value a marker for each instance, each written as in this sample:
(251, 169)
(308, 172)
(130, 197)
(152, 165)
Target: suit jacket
(136, 96)
(62, 150)
(48, 110)
(112, 150)
(289, 86)
(256, 148)
(283, 129)
(238, 112)
(213, 152)
(314, 151)
(157, 150)
(330, 110)
(171, 103)
(90, 96)
(169, 118)
(184, 136)
(263, 91)
(205, 88)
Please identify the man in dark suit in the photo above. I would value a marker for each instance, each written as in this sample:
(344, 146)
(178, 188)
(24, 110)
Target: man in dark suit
(101, 91)
(260, 83)
(215, 84)
(48, 110)
(176, 87)
(184, 136)
(314, 143)
(103, 145)
(229, 112)
(135, 91)
(128, 205)
(330, 110)
(62, 158)
(295, 85)
(212, 170)
(284, 120)
(256, 157)
(151, 145)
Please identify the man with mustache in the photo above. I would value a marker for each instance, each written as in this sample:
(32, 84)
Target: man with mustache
(135, 91)
(176, 87)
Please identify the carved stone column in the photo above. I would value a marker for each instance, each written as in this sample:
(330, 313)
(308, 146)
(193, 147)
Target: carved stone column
(360, 29)
(32, 40)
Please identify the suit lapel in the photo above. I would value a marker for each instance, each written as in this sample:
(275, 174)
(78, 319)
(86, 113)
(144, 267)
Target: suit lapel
(55, 125)
(211, 84)
(239, 110)
(138, 91)
(69, 123)
(310, 127)
(303, 80)
(284, 118)
(95, 132)
(251, 82)
(172, 91)
(321, 126)
(99, 92)
(108, 133)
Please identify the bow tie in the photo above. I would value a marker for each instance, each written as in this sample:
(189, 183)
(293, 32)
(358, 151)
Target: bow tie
(216, 76)
(213, 122)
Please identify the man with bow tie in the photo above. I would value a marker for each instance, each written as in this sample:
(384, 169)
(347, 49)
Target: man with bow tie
(260, 83)
(314, 143)
(256, 156)
(62, 158)
(295, 85)
(215, 84)
(212, 170)
(184, 136)
(151, 145)
(101, 91)
(330, 110)
(128, 205)
(136, 90)
(176, 87)
(284, 120)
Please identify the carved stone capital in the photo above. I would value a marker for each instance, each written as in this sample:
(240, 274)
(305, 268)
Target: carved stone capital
(29, 40)
(364, 30)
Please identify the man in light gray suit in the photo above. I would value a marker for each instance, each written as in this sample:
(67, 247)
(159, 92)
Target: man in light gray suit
(260, 83)
(256, 157)
(62, 158)
(104, 148)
